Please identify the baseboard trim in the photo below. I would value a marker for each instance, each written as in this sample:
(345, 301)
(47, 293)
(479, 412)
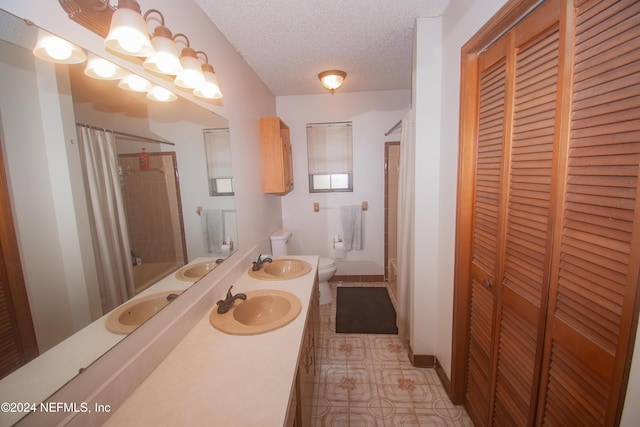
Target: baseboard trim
(431, 361)
(446, 383)
(421, 360)
(359, 278)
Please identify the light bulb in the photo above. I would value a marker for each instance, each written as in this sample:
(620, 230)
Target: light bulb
(54, 49)
(135, 83)
(210, 89)
(130, 40)
(161, 94)
(166, 59)
(58, 49)
(191, 76)
(104, 68)
(128, 31)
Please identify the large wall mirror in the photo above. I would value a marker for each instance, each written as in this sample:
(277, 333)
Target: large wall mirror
(172, 217)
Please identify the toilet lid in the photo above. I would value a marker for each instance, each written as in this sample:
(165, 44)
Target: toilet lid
(325, 263)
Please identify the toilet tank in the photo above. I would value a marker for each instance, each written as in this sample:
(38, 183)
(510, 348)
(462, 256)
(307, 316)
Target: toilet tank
(281, 243)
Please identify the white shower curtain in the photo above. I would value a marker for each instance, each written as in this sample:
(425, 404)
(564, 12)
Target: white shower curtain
(405, 225)
(106, 209)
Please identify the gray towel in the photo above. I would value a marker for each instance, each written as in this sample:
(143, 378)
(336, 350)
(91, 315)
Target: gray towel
(212, 224)
(351, 226)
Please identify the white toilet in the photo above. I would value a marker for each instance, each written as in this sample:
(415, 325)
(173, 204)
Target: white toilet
(326, 270)
(281, 246)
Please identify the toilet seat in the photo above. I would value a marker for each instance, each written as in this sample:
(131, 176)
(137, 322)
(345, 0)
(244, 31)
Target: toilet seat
(326, 263)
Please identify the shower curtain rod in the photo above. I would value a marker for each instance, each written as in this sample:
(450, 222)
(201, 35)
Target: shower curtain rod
(394, 128)
(128, 135)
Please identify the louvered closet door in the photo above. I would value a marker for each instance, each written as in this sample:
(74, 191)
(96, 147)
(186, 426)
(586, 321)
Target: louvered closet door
(596, 262)
(517, 114)
(486, 225)
(522, 294)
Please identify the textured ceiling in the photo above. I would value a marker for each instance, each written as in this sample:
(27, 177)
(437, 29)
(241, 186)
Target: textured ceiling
(288, 42)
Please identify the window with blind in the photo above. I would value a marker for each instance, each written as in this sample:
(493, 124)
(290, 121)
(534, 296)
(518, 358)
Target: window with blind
(330, 157)
(218, 153)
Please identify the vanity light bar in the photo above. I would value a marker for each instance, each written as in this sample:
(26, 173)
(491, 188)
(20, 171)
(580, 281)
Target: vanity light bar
(97, 16)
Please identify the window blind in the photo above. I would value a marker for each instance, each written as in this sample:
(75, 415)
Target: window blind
(218, 152)
(330, 148)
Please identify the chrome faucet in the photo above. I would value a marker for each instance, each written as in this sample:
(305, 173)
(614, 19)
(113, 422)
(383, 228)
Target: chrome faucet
(257, 265)
(226, 304)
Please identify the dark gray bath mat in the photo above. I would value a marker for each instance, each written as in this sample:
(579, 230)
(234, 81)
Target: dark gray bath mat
(363, 310)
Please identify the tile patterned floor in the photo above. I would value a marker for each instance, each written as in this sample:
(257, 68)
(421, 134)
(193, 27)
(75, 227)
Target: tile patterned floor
(367, 380)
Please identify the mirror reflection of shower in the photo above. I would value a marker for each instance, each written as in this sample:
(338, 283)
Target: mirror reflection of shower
(151, 194)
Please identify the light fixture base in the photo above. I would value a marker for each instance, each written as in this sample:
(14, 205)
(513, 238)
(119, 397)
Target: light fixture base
(95, 15)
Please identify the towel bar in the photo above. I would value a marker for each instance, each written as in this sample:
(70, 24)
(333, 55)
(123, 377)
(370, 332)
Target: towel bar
(316, 206)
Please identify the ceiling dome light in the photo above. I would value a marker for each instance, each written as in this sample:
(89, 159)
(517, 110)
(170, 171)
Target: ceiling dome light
(332, 79)
(165, 59)
(102, 69)
(54, 49)
(135, 83)
(128, 31)
(161, 94)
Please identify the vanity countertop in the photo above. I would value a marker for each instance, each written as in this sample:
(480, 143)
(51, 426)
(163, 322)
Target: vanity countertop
(37, 380)
(212, 378)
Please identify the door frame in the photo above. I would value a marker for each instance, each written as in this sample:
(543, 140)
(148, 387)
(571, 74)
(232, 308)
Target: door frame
(387, 207)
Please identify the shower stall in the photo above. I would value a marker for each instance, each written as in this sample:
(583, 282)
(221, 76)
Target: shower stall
(154, 216)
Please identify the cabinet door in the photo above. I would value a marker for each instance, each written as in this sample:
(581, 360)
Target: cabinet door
(306, 370)
(287, 161)
(275, 148)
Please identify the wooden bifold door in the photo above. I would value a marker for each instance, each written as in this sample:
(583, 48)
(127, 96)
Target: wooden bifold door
(17, 337)
(548, 241)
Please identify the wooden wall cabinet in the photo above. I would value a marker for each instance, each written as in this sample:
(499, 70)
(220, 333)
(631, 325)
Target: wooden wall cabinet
(275, 147)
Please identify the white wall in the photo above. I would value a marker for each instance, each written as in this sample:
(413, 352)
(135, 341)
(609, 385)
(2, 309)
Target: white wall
(427, 94)
(459, 23)
(372, 114)
(36, 166)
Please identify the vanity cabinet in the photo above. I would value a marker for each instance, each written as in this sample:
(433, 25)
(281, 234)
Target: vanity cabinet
(308, 370)
(275, 147)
